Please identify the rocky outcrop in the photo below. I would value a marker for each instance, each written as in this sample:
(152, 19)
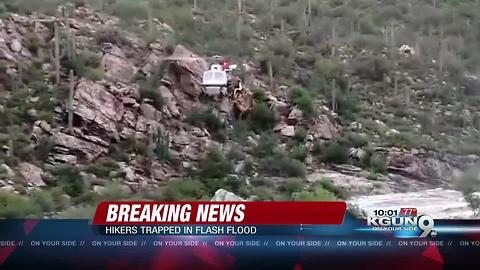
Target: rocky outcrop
(321, 126)
(423, 166)
(324, 129)
(170, 101)
(285, 130)
(116, 65)
(98, 108)
(31, 174)
(185, 71)
(70, 149)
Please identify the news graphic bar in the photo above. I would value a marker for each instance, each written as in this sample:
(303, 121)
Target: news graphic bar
(239, 235)
(253, 213)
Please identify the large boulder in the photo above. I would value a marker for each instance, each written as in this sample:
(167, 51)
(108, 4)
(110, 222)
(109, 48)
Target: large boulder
(32, 174)
(67, 145)
(222, 195)
(16, 46)
(98, 108)
(323, 128)
(187, 71)
(116, 65)
(424, 167)
(170, 101)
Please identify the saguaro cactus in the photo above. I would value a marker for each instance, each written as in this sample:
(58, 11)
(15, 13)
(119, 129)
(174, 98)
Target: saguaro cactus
(395, 85)
(270, 73)
(334, 95)
(150, 20)
(239, 20)
(273, 6)
(10, 147)
(57, 53)
(161, 145)
(334, 39)
(308, 14)
(70, 100)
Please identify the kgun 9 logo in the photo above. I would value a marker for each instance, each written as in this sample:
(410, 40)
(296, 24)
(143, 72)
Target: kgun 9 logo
(390, 221)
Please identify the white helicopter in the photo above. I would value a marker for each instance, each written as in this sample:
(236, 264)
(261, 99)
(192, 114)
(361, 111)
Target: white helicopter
(218, 78)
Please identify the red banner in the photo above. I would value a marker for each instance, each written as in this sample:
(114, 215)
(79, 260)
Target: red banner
(252, 213)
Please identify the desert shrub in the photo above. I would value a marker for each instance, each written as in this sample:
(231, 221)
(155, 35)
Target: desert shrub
(43, 149)
(124, 148)
(229, 183)
(102, 168)
(205, 118)
(129, 10)
(214, 165)
(78, 212)
(262, 181)
(16, 206)
(317, 84)
(3, 10)
(95, 74)
(427, 120)
(249, 167)
(300, 134)
(33, 73)
(149, 90)
(469, 185)
(109, 35)
(185, 189)
(472, 86)
(53, 199)
(33, 42)
(235, 154)
(354, 139)
(22, 148)
(293, 185)
(334, 153)
(470, 181)
(265, 193)
(319, 193)
(404, 139)
(368, 42)
(299, 152)
(377, 163)
(371, 67)
(338, 192)
(266, 145)
(83, 62)
(328, 69)
(261, 118)
(260, 96)
(70, 180)
(303, 100)
(240, 131)
(44, 200)
(288, 13)
(454, 65)
(282, 166)
(16, 108)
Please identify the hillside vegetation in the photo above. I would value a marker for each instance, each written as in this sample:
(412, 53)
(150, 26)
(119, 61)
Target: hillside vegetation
(389, 87)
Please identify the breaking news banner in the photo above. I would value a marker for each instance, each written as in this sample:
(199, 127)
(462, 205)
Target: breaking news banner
(240, 235)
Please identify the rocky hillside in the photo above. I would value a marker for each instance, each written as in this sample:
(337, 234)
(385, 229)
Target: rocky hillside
(91, 109)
